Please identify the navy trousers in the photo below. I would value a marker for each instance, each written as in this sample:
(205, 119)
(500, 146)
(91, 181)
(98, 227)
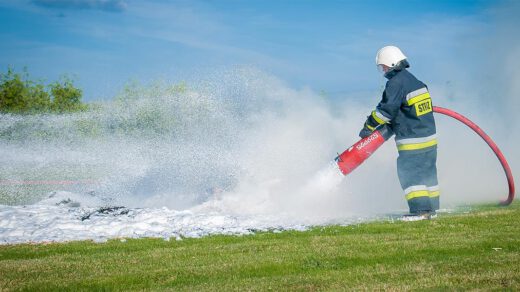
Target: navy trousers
(417, 171)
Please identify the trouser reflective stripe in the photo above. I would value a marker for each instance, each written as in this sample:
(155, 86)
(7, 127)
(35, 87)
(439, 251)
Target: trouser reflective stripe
(421, 191)
(416, 143)
(433, 191)
(417, 146)
(413, 192)
(417, 194)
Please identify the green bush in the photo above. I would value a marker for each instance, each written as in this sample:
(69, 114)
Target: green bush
(20, 95)
(66, 97)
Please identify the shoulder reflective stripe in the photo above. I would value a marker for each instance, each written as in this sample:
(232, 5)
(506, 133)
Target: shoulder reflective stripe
(419, 98)
(417, 95)
(417, 146)
(417, 194)
(379, 117)
(415, 188)
(416, 140)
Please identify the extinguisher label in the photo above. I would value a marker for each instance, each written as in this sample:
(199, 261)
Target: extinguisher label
(367, 141)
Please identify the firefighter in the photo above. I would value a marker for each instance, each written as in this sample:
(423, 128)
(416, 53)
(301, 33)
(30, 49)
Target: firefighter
(406, 108)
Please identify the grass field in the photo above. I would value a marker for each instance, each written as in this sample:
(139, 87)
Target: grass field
(475, 250)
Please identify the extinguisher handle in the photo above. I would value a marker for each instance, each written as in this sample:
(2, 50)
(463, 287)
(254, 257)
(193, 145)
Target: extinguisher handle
(385, 131)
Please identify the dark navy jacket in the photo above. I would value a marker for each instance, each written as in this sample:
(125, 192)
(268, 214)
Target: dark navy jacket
(406, 107)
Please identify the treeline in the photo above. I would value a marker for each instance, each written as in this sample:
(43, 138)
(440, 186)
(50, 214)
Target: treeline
(20, 95)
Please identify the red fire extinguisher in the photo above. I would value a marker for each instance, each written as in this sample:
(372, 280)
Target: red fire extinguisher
(354, 156)
(351, 158)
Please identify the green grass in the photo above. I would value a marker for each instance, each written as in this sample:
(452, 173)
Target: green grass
(475, 250)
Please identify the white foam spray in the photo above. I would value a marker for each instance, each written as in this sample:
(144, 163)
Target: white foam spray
(240, 146)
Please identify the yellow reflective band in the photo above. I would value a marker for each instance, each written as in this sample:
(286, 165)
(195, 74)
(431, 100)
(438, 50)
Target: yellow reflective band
(378, 119)
(418, 98)
(417, 146)
(434, 194)
(370, 127)
(417, 194)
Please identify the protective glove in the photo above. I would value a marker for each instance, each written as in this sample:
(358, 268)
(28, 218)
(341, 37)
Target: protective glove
(365, 132)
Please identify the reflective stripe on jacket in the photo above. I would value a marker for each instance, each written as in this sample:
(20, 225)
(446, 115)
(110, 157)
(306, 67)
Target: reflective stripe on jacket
(406, 106)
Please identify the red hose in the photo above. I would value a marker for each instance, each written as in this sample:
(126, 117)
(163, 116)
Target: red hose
(498, 153)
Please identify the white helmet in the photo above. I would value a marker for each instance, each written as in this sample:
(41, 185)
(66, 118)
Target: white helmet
(389, 56)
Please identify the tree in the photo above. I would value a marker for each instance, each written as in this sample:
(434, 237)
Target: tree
(12, 89)
(66, 97)
(19, 95)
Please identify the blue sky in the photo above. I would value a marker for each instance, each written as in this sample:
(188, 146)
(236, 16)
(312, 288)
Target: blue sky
(325, 45)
